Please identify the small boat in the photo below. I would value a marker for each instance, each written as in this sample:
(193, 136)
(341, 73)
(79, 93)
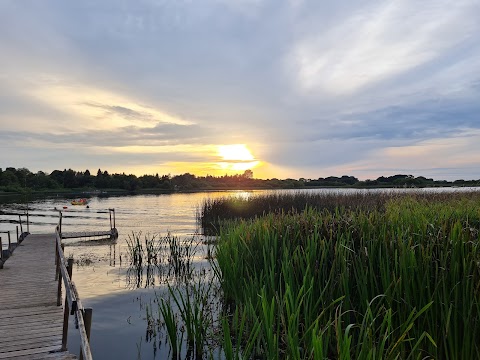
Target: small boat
(79, 202)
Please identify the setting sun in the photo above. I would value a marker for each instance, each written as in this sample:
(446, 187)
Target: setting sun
(237, 152)
(236, 157)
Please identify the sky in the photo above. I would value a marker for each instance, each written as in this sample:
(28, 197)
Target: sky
(288, 89)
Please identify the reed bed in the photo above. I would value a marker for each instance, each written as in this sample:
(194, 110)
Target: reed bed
(399, 282)
(391, 277)
(212, 212)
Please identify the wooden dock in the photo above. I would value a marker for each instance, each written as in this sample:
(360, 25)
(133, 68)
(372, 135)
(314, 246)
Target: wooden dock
(109, 234)
(31, 323)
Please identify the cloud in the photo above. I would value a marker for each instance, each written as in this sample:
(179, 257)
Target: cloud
(443, 158)
(312, 88)
(112, 110)
(381, 41)
(156, 136)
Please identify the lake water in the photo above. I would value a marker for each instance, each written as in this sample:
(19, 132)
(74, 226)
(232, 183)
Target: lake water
(105, 280)
(102, 273)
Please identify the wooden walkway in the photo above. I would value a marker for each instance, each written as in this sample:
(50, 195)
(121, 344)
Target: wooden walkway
(30, 321)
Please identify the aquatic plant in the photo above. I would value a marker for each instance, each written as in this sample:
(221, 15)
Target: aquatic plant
(148, 251)
(160, 258)
(188, 310)
(398, 283)
(181, 253)
(174, 335)
(213, 212)
(193, 305)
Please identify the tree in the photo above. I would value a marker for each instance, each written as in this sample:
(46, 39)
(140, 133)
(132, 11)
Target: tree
(69, 179)
(8, 178)
(248, 174)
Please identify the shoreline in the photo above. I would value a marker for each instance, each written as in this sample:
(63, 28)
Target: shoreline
(109, 192)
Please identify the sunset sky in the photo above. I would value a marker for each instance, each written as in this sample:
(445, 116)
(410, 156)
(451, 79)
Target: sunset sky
(285, 88)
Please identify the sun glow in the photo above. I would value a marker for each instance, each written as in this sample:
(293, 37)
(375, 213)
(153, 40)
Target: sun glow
(237, 152)
(236, 157)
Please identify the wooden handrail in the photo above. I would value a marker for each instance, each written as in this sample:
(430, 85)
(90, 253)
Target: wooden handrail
(84, 321)
(72, 305)
(69, 294)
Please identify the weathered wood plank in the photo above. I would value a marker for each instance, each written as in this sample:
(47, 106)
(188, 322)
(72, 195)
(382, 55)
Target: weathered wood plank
(50, 356)
(5, 314)
(85, 234)
(9, 334)
(31, 334)
(10, 297)
(39, 350)
(30, 322)
(37, 343)
(34, 321)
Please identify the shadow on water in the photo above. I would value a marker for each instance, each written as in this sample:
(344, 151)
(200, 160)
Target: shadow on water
(119, 322)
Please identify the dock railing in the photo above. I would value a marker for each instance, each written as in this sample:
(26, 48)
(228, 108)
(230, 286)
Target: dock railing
(72, 303)
(5, 254)
(109, 234)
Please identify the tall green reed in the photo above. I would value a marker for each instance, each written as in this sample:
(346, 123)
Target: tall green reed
(407, 277)
(213, 212)
(398, 282)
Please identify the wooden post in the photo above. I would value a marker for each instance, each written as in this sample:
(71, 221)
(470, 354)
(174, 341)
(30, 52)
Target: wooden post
(66, 314)
(9, 244)
(56, 252)
(1, 248)
(57, 272)
(70, 265)
(87, 320)
(60, 225)
(110, 214)
(59, 277)
(18, 240)
(21, 228)
(66, 310)
(114, 219)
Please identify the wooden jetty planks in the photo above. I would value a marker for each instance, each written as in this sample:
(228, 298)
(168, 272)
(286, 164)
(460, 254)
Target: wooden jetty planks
(31, 323)
(52, 356)
(86, 234)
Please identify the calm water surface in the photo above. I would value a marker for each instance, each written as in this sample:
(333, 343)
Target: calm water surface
(117, 294)
(102, 274)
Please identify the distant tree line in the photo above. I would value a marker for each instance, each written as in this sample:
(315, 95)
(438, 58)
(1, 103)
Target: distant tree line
(20, 180)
